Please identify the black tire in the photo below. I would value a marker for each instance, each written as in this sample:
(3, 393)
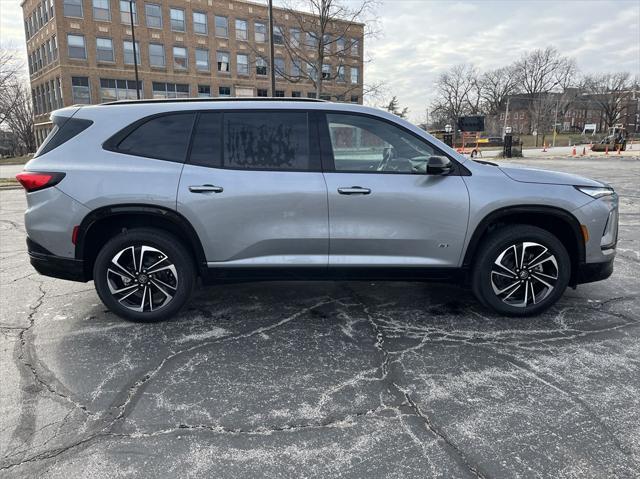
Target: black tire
(178, 272)
(488, 278)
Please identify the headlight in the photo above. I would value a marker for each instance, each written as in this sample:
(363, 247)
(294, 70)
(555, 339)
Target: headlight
(595, 191)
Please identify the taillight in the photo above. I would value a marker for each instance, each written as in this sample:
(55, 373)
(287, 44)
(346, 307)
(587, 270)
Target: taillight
(34, 181)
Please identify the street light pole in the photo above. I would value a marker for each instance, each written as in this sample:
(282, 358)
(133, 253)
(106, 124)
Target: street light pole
(506, 114)
(271, 50)
(555, 123)
(135, 54)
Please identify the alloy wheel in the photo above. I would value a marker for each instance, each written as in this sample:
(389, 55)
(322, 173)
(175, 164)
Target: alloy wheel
(142, 278)
(524, 274)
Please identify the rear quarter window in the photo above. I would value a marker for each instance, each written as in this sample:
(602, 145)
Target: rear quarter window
(163, 137)
(64, 128)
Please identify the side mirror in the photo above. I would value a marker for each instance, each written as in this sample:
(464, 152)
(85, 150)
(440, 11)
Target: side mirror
(439, 165)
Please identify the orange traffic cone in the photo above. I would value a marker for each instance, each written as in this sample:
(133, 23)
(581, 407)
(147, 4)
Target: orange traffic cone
(606, 150)
(573, 152)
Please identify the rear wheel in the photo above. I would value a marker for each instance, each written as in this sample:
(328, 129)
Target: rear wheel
(144, 275)
(521, 270)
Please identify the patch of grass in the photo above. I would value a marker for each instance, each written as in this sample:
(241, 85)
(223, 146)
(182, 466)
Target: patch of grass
(9, 183)
(16, 160)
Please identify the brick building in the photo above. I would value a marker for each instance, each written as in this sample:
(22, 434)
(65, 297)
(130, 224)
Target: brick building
(81, 51)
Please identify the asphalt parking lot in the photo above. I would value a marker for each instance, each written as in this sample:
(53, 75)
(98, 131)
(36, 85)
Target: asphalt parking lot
(323, 379)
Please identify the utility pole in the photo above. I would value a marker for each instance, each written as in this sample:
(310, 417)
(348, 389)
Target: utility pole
(504, 127)
(271, 50)
(135, 53)
(555, 123)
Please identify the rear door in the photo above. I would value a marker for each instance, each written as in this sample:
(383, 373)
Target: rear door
(384, 210)
(253, 189)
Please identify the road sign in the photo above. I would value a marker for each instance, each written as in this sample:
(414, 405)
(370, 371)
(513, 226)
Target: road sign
(471, 123)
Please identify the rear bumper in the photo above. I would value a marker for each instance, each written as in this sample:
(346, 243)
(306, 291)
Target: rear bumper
(49, 264)
(591, 272)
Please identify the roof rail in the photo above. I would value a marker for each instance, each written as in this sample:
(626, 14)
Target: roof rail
(190, 100)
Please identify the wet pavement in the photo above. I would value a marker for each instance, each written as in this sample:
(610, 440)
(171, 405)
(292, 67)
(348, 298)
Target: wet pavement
(333, 379)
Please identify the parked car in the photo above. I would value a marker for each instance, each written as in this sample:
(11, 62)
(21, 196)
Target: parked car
(145, 197)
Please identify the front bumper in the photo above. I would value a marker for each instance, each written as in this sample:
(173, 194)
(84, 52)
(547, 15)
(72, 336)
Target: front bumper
(49, 264)
(591, 272)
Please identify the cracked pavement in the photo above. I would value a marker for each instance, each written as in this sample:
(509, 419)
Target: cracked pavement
(310, 379)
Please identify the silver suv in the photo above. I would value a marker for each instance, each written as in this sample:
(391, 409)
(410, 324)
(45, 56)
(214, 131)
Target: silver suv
(144, 197)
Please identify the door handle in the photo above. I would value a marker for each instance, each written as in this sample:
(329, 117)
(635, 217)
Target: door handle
(206, 189)
(354, 190)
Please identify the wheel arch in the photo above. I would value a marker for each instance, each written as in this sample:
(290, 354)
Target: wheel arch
(103, 223)
(557, 221)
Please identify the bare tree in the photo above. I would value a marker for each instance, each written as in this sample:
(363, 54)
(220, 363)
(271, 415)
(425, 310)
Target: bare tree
(540, 72)
(16, 103)
(497, 85)
(394, 107)
(609, 92)
(456, 93)
(324, 32)
(10, 69)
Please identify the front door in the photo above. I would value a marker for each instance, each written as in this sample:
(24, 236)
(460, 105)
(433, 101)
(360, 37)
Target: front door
(253, 190)
(384, 210)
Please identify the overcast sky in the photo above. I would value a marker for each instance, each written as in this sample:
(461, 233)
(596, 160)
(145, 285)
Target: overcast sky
(421, 38)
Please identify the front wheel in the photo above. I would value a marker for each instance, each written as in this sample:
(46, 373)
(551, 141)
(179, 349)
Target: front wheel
(521, 270)
(144, 275)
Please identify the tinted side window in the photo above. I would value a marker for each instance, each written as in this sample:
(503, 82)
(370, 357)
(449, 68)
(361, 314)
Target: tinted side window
(165, 138)
(206, 149)
(362, 143)
(63, 130)
(267, 140)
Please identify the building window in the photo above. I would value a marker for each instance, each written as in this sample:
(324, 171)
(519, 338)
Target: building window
(223, 61)
(156, 55)
(311, 94)
(72, 8)
(204, 91)
(125, 12)
(326, 42)
(295, 38)
(262, 92)
(224, 91)
(76, 46)
(242, 64)
(260, 32)
(222, 27)
(340, 45)
(312, 72)
(326, 71)
(180, 60)
(311, 41)
(80, 90)
(200, 23)
(170, 90)
(101, 10)
(279, 94)
(128, 52)
(261, 66)
(355, 75)
(202, 60)
(104, 50)
(325, 97)
(355, 47)
(296, 94)
(295, 68)
(177, 20)
(278, 36)
(54, 47)
(242, 30)
(341, 76)
(153, 13)
(354, 99)
(112, 90)
(280, 67)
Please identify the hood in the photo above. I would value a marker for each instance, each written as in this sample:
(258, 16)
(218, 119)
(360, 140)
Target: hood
(533, 175)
